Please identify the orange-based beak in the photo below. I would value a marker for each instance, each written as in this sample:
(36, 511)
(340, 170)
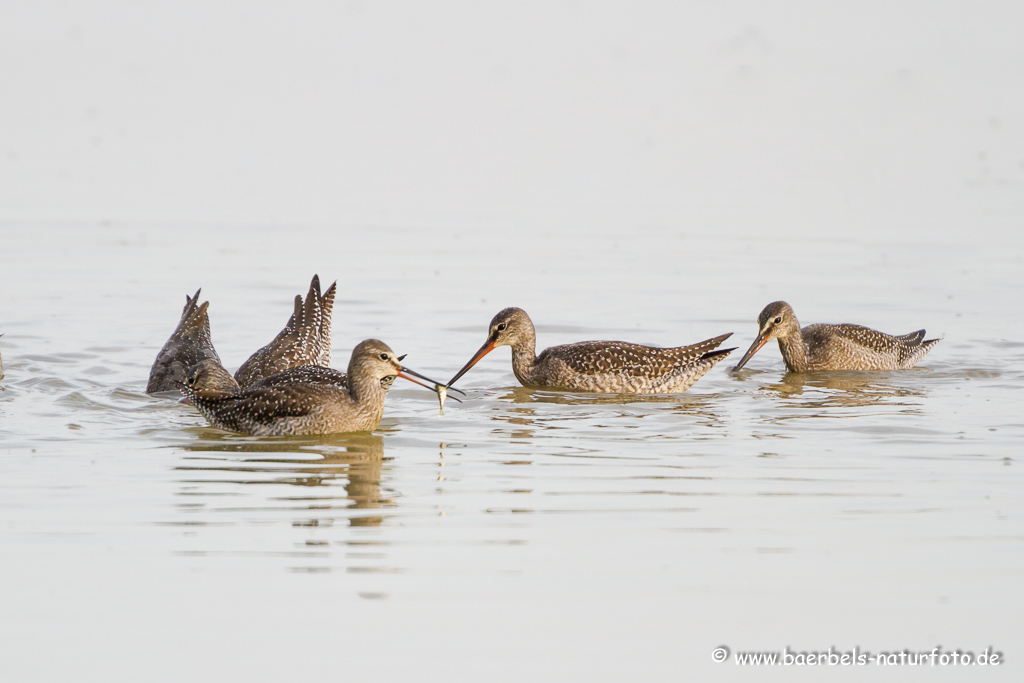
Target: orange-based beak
(488, 346)
(762, 339)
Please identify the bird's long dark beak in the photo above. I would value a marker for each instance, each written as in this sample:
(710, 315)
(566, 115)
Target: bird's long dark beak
(435, 386)
(488, 346)
(761, 340)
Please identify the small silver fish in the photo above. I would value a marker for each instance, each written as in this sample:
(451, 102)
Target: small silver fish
(442, 394)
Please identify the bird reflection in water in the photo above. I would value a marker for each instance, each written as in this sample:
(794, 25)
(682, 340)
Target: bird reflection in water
(532, 395)
(684, 403)
(528, 413)
(819, 390)
(319, 461)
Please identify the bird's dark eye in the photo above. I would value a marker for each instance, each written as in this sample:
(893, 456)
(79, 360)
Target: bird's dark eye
(383, 356)
(501, 327)
(778, 320)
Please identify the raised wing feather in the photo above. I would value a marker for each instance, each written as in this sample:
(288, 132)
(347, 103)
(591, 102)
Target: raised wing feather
(189, 344)
(305, 339)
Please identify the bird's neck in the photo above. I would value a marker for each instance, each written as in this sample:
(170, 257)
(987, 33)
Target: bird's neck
(794, 351)
(367, 390)
(524, 358)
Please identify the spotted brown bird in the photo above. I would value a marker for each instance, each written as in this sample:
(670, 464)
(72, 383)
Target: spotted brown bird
(597, 366)
(834, 347)
(310, 399)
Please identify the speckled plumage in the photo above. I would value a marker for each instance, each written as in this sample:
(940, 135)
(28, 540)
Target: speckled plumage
(597, 366)
(305, 339)
(844, 346)
(189, 344)
(301, 400)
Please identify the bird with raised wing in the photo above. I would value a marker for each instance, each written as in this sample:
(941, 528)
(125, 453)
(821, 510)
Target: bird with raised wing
(305, 340)
(188, 345)
(302, 400)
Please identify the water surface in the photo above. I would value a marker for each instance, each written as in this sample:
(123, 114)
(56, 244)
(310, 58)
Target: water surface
(524, 533)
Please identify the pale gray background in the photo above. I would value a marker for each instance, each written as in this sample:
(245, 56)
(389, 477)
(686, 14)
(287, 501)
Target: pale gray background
(744, 116)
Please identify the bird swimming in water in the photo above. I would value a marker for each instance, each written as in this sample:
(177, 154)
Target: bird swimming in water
(834, 347)
(301, 400)
(305, 340)
(597, 366)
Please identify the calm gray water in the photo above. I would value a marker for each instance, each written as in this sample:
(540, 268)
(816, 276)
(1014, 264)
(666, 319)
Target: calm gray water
(523, 534)
(649, 171)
